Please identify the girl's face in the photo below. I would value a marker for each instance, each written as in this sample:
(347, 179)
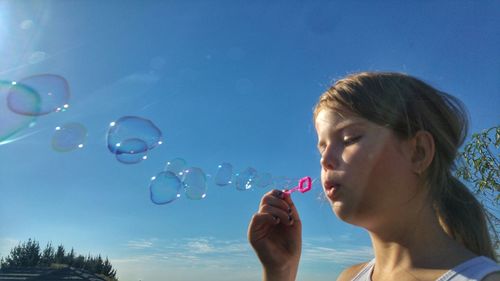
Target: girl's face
(365, 168)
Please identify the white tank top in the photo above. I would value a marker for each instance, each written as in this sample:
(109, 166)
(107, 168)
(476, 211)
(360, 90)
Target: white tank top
(474, 269)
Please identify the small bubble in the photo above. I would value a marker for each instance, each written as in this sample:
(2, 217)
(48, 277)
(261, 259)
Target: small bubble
(26, 24)
(37, 57)
(131, 151)
(264, 180)
(194, 181)
(224, 174)
(176, 166)
(69, 137)
(244, 180)
(164, 188)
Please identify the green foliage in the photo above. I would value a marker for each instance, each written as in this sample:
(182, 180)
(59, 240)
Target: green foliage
(25, 254)
(28, 254)
(48, 255)
(479, 165)
(59, 258)
(481, 162)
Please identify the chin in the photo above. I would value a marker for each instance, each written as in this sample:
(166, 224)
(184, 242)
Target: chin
(340, 211)
(345, 214)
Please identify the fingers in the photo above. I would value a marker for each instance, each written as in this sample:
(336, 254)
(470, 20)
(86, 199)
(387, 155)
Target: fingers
(293, 210)
(276, 204)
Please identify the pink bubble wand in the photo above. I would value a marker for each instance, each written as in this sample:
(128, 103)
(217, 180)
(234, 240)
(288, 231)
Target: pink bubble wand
(305, 184)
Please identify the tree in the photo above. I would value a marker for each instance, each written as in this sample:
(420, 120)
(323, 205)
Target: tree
(48, 255)
(24, 254)
(28, 254)
(108, 269)
(70, 257)
(479, 165)
(59, 257)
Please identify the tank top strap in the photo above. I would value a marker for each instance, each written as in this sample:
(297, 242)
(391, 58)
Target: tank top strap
(474, 269)
(366, 272)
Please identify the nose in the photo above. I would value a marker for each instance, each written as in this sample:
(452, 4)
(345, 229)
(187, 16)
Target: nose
(328, 160)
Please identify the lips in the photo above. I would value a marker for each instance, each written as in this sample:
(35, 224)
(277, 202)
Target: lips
(332, 190)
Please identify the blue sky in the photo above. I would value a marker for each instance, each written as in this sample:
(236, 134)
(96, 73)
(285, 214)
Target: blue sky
(225, 81)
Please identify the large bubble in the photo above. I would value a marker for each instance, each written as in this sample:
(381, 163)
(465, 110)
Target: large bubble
(52, 95)
(165, 188)
(69, 137)
(224, 174)
(12, 123)
(133, 127)
(245, 179)
(195, 185)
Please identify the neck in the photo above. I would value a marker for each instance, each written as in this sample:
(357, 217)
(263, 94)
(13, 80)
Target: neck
(416, 241)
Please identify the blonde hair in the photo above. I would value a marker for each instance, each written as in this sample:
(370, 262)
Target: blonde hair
(407, 105)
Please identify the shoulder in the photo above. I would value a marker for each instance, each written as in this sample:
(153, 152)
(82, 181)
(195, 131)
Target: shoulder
(349, 273)
(495, 276)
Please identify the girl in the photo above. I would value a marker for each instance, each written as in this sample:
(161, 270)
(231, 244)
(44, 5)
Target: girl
(387, 143)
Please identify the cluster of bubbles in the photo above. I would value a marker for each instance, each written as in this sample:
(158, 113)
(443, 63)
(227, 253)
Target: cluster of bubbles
(176, 178)
(21, 102)
(131, 137)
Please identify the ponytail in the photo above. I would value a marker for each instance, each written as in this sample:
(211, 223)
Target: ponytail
(463, 218)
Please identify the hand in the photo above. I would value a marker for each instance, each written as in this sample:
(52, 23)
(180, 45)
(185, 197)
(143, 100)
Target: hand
(275, 233)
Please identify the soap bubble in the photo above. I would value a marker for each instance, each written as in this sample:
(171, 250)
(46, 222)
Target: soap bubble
(69, 137)
(282, 183)
(224, 174)
(195, 185)
(133, 127)
(164, 188)
(264, 180)
(176, 166)
(245, 180)
(52, 95)
(10, 122)
(37, 57)
(131, 151)
(26, 24)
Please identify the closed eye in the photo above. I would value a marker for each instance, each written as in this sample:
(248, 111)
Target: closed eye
(351, 140)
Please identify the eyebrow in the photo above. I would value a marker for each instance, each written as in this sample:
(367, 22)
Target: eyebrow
(347, 123)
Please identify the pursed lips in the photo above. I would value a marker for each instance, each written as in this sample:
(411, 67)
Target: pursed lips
(331, 188)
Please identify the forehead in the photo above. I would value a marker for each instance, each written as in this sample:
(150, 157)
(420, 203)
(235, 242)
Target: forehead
(334, 118)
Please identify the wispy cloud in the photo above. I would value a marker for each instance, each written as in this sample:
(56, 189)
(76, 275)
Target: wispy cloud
(343, 255)
(210, 255)
(141, 243)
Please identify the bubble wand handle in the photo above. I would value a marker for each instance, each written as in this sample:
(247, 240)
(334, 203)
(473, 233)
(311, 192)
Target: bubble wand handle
(305, 184)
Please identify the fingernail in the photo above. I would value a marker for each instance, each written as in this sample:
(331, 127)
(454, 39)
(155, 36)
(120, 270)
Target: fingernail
(279, 193)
